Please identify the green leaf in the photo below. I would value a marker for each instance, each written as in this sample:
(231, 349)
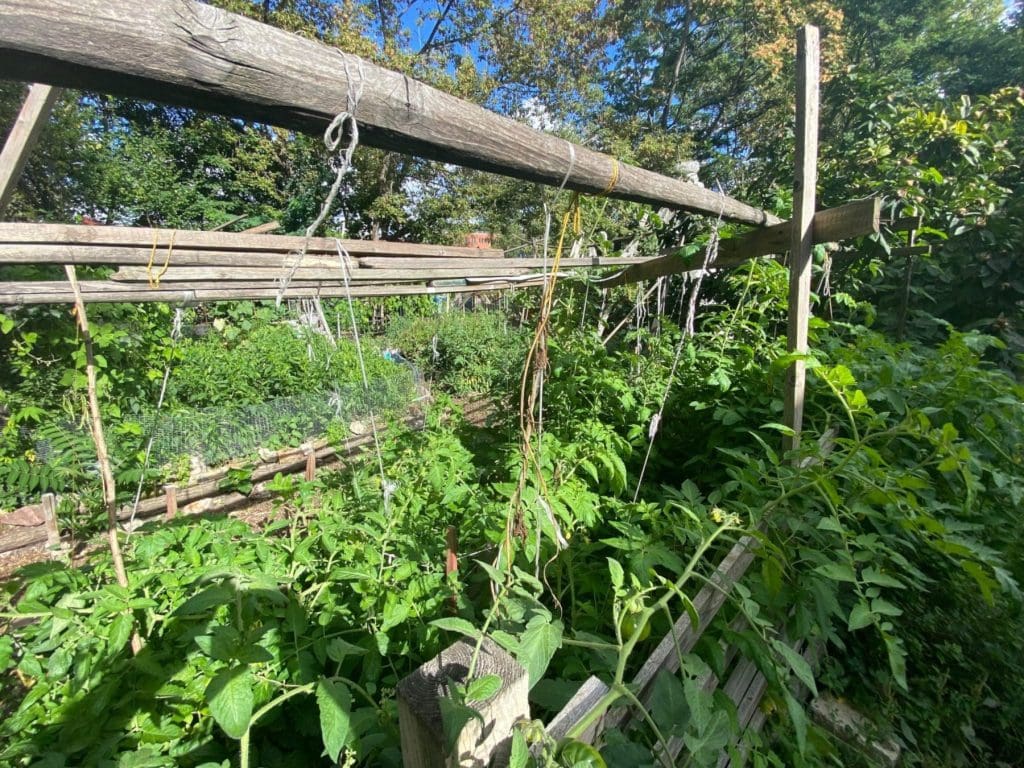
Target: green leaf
(831, 524)
(798, 664)
(860, 617)
(798, 718)
(537, 645)
(338, 649)
(335, 704)
(897, 660)
(120, 630)
(454, 717)
(483, 688)
(837, 572)
(455, 624)
(875, 576)
(520, 751)
(230, 697)
(884, 607)
(618, 577)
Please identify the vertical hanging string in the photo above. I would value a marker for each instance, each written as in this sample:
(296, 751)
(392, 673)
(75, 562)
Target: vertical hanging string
(344, 122)
(387, 488)
(175, 336)
(710, 254)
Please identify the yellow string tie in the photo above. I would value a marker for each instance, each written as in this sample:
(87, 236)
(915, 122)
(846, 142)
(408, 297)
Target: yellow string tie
(613, 180)
(154, 280)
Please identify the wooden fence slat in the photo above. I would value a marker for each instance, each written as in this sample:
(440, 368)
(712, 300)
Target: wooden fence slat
(198, 56)
(584, 700)
(34, 114)
(333, 274)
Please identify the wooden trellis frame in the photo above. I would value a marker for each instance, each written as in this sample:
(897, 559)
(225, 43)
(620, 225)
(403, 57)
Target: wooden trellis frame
(191, 54)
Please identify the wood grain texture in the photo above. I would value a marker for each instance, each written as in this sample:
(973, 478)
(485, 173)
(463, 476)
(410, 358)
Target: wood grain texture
(582, 702)
(34, 114)
(175, 239)
(479, 744)
(330, 275)
(854, 219)
(808, 56)
(194, 55)
(106, 291)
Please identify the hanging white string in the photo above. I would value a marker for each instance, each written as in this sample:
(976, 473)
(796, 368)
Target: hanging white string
(175, 335)
(710, 254)
(344, 123)
(387, 488)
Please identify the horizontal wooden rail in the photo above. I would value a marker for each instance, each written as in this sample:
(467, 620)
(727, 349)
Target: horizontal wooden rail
(194, 55)
(851, 220)
(106, 291)
(184, 239)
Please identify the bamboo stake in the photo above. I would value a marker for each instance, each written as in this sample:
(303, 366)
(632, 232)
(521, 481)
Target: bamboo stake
(102, 457)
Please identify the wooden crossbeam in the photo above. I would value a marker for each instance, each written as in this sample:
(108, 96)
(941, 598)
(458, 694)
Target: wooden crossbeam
(332, 274)
(854, 219)
(145, 237)
(262, 229)
(195, 55)
(23, 136)
(95, 291)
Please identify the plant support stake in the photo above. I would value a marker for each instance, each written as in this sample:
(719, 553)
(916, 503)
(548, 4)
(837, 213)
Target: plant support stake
(102, 457)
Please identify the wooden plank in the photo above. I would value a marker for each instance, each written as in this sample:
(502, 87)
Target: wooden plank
(582, 702)
(855, 219)
(419, 262)
(58, 292)
(911, 250)
(171, 501)
(175, 239)
(808, 63)
(262, 229)
(34, 114)
(707, 603)
(227, 223)
(905, 223)
(482, 742)
(270, 274)
(194, 55)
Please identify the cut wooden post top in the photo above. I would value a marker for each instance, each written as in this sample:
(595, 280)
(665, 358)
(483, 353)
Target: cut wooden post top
(419, 707)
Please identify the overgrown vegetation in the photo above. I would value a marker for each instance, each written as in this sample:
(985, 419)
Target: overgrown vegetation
(890, 540)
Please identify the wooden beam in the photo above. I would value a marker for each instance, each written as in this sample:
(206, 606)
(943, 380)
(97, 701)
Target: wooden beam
(911, 250)
(332, 275)
(808, 57)
(905, 223)
(855, 219)
(194, 55)
(145, 237)
(226, 224)
(35, 113)
(262, 229)
(107, 291)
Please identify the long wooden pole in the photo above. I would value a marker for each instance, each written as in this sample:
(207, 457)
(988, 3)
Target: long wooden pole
(194, 55)
(102, 456)
(27, 126)
(808, 62)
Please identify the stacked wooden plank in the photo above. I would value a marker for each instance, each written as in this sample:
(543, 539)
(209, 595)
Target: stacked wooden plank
(189, 265)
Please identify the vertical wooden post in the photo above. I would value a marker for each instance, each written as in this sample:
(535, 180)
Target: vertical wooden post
(171, 495)
(49, 504)
(310, 465)
(479, 743)
(808, 57)
(27, 127)
(901, 328)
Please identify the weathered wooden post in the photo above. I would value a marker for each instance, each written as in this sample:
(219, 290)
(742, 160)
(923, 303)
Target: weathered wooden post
(171, 496)
(27, 127)
(808, 57)
(49, 504)
(479, 744)
(310, 464)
